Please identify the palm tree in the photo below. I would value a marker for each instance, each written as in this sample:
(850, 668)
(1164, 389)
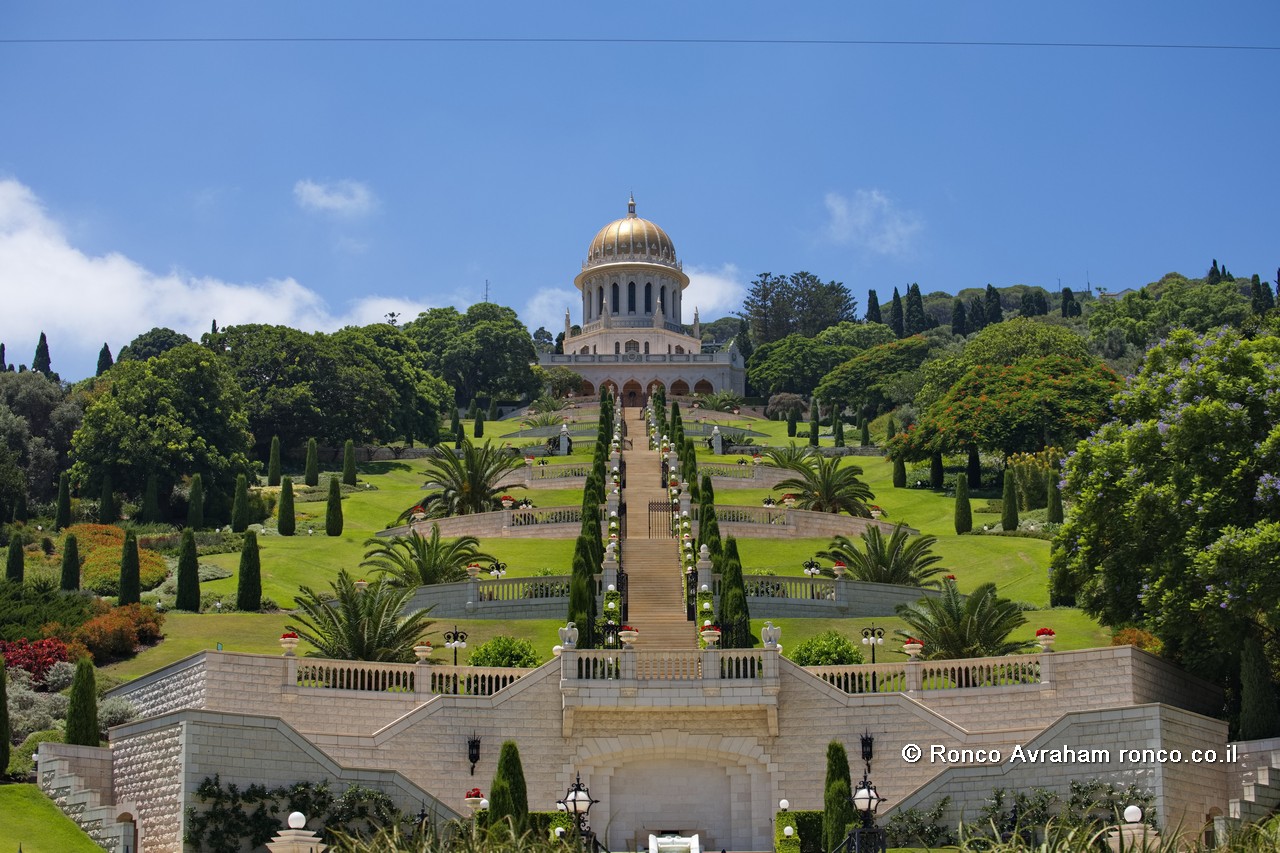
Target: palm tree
(355, 624)
(789, 456)
(466, 484)
(956, 626)
(823, 485)
(416, 560)
(899, 559)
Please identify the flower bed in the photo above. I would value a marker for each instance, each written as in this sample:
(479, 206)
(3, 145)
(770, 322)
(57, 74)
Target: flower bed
(100, 548)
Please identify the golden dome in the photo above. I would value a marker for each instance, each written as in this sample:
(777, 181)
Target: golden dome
(631, 239)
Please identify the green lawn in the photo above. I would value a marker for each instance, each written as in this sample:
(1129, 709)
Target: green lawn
(188, 633)
(29, 820)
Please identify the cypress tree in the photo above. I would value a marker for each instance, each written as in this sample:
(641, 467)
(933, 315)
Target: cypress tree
(458, 437)
(508, 796)
(20, 507)
(890, 428)
(837, 430)
(478, 429)
(105, 362)
(734, 617)
(1055, 500)
(964, 513)
(991, 306)
(792, 419)
(130, 581)
(974, 469)
(150, 511)
(5, 733)
(936, 473)
(333, 511)
(1070, 307)
(286, 521)
(492, 414)
(455, 425)
(273, 462)
(62, 514)
(1040, 301)
(249, 582)
(814, 418)
(899, 473)
(1259, 714)
(897, 318)
(975, 314)
(107, 513)
(82, 710)
(866, 433)
(958, 324)
(873, 307)
(40, 363)
(195, 503)
(915, 321)
(349, 463)
(1027, 304)
(188, 574)
(15, 566)
(4, 365)
(70, 563)
(473, 410)
(240, 506)
(311, 476)
(1009, 502)
(837, 812)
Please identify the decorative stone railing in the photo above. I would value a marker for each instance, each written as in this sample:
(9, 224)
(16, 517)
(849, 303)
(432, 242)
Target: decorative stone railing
(658, 666)
(786, 522)
(729, 472)
(776, 586)
(754, 515)
(547, 515)
(557, 472)
(523, 589)
(419, 679)
(911, 676)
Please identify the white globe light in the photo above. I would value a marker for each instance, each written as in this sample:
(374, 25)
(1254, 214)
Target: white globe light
(788, 831)
(297, 820)
(484, 804)
(784, 804)
(1133, 814)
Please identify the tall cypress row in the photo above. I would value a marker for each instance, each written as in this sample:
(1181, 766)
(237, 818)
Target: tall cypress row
(249, 580)
(82, 710)
(273, 462)
(62, 515)
(70, 563)
(130, 580)
(349, 463)
(195, 503)
(312, 474)
(333, 510)
(240, 505)
(286, 520)
(188, 574)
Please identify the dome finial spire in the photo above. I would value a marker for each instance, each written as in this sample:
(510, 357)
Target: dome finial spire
(631, 205)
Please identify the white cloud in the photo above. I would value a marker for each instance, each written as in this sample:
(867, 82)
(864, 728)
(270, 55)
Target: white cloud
(546, 308)
(345, 197)
(81, 301)
(871, 221)
(714, 292)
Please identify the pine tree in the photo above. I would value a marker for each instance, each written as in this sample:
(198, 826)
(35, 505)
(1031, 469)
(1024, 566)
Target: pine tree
(899, 473)
(286, 520)
(964, 513)
(508, 795)
(958, 324)
(1055, 500)
(349, 463)
(15, 566)
(240, 506)
(40, 363)
(333, 511)
(975, 315)
(62, 514)
(82, 709)
(70, 563)
(107, 512)
(792, 421)
(273, 462)
(130, 581)
(188, 574)
(916, 321)
(1009, 502)
(195, 503)
(478, 427)
(1259, 713)
(6, 734)
(150, 511)
(936, 473)
(312, 472)
(105, 362)
(873, 307)
(994, 312)
(897, 319)
(249, 581)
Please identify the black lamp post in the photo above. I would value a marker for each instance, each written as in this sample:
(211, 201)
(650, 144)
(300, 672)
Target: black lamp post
(497, 568)
(873, 636)
(455, 640)
(867, 838)
(577, 803)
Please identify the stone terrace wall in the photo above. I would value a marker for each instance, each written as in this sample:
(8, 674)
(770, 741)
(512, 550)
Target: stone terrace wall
(179, 685)
(147, 765)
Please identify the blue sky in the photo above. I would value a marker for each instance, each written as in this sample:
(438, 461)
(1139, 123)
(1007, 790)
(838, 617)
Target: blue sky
(319, 183)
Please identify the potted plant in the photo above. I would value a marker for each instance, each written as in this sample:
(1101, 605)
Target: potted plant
(789, 500)
(839, 568)
(507, 501)
(474, 799)
(289, 642)
(913, 647)
(1045, 637)
(423, 650)
(710, 633)
(473, 571)
(628, 635)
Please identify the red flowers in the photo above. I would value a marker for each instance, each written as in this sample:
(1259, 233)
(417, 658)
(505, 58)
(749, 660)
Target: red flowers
(35, 657)
(1045, 632)
(289, 635)
(474, 794)
(628, 628)
(911, 640)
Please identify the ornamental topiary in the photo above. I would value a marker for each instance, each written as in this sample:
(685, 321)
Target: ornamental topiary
(82, 712)
(130, 572)
(830, 648)
(240, 505)
(312, 473)
(273, 462)
(249, 582)
(188, 574)
(333, 510)
(349, 463)
(508, 796)
(286, 521)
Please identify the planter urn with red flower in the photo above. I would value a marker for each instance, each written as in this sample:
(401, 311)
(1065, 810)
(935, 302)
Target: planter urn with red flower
(839, 569)
(789, 500)
(288, 642)
(710, 634)
(913, 647)
(628, 636)
(1045, 637)
(507, 501)
(423, 651)
(473, 571)
(474, 800)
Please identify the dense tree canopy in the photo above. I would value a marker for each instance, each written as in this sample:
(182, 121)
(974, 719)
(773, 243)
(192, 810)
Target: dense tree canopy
(1177, 500)
(864, 379)
(794, 364)
(37, 419)
(1144, 316)
(486, 351)
(801, 303)
(150, 344)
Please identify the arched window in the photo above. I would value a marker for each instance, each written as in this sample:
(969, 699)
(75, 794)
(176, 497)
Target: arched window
(648, 298)
(633, 346)
(679, 350)
(599, 300)
(585, 351)
(646, 347)
(617, 347)
(662, 297)
(613, 303)
(631, 298)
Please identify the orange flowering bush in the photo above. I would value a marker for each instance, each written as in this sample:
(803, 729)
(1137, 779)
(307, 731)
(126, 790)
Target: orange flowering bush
(100, 548)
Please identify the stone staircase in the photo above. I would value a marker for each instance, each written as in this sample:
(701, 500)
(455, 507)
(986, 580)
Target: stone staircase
(1257, 778)
(655, 596)
(72, 776)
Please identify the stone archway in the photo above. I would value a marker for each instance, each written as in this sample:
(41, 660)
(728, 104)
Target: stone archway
(631, 393)
(702, 386)
(679, 388)
(587, 389)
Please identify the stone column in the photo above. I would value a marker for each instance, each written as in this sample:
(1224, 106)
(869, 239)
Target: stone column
(686, 502)
(717, 441)
(609, 568)
(562, 447)
(704, 571)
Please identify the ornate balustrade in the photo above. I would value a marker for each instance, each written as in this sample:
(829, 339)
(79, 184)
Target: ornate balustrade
(657, 666)
(548, 515)
(516, 589)
(558, 472)
(909, 676)
(777, 586)
(753, 515)
(419, 679)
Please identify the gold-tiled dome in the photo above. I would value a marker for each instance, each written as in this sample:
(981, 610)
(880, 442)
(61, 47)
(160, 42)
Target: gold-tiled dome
(631, 238)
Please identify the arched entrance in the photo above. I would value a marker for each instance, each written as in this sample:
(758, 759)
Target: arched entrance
(702, 386)
(587, 390)
(631, 393)
(679, 388)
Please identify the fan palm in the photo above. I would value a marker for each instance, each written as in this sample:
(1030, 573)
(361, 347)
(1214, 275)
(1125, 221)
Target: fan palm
(355, 624)
(416, 560)
(468, 483)
(824, 485)
(899, 559)
(952, 625)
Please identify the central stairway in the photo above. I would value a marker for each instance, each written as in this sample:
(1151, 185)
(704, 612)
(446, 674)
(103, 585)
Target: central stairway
(655, 597)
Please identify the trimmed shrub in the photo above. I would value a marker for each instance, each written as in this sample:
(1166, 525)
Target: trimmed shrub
(349, 463)
(508, 796)
(1009, 502)
(333, 510)
(249, 582)
(188, 594)
(130, 571)
(70, 563)
(16, 562)
(82, 713)
(21, 761)
(195, 504)
(273, 462)
(899, 473)
(504, 651)
(286, 521)
(830, 648)
(1144, 640)
(964, 512)
(311, 477)
(117, 632)
(240, 506)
